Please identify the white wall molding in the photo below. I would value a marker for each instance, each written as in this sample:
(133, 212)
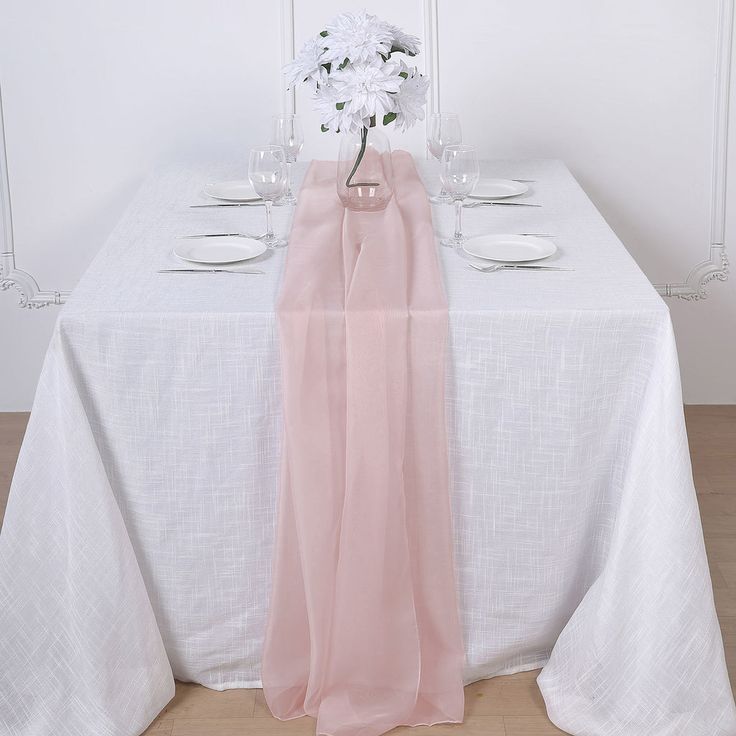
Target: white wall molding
(288, 51)
(432, 53)
(715, 267)
(11, 277)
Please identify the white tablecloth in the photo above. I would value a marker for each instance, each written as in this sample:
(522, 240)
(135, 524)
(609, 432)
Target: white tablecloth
(138, 535)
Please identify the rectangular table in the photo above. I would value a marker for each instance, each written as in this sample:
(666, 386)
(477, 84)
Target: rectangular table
(138, 535)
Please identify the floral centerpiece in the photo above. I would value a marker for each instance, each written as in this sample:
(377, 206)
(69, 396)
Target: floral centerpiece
(359, 68)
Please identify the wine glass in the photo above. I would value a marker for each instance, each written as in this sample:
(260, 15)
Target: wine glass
(444, 130)
(287, 133)
(267, 173)
(459, 173)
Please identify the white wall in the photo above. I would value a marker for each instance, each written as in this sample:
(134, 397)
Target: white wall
(98, 92)
(623, 91)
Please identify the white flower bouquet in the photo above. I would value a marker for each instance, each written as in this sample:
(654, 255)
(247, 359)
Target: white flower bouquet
(357, 67)
(359, 76)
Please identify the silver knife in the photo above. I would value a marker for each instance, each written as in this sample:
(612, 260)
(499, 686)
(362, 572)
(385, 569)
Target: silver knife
(230, 204)
(221, 235)
(539, 268)
(206, 270)
(512, 267)
(480, 202)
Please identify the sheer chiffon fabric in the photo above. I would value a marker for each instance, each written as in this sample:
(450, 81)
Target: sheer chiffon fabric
(363, 632)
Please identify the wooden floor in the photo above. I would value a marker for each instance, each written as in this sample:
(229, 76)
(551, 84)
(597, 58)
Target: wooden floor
(504, 706)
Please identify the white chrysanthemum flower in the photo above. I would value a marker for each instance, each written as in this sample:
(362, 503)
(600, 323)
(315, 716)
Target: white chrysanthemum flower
(367, 89)
(404, 41)
(308, 65)
(410, 100)
(325, 102)
(360, 37)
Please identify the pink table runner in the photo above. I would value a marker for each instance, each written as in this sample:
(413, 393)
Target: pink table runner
(363, 631)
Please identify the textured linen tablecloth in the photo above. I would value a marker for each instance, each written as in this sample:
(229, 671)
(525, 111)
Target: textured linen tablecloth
(138, 535)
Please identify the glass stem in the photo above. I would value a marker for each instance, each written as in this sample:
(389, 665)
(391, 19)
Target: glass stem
(458, 220)
(288, 178)
(269, 224)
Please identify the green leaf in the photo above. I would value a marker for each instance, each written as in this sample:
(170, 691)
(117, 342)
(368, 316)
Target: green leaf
(324, 128)
(328, 66)
(324, 34)
(404, 74)
(344, 64)
(389, 117)
(401, 50)
(340, 106)
(373, 121)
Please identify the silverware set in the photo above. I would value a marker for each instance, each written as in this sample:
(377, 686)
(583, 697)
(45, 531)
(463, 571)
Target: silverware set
(469, 205)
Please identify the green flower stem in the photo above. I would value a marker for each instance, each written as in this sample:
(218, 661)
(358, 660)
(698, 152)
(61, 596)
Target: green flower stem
(358, 159)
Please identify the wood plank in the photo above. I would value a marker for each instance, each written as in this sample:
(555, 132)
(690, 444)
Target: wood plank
(12, 428)
(196, 701)
(728, 630)
(717, 577)
(500, 696)
(475, 726)
(724, 479)
(719, 525)
(717, 504)
(242, 727)
(727, 571)
(720, 549)
(159, 728)
(530, 726)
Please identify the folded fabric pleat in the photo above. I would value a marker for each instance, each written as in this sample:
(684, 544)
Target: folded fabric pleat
(363, 630)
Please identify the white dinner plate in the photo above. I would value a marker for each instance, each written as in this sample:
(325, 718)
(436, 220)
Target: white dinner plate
(232, 191)
(224, 250)
(498, 189)
(510, 248)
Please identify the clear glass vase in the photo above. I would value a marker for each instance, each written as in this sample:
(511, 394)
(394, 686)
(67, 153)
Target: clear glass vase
(365, 175)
